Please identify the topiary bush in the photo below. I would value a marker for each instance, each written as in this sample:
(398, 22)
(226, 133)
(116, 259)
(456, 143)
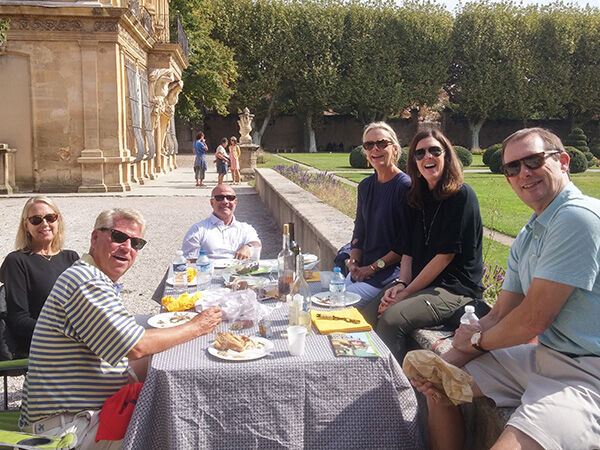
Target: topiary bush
(595, 147)
(588, 156)
(487, 154)
(358, 159)
(577, 139)
(495, 164)
(464, 155)
(578, 161)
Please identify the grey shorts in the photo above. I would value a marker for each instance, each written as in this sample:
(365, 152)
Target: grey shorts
(557, 397)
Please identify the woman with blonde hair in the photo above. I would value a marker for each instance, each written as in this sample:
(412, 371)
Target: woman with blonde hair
(379, 215)
(29, 272)
(440, 244)
(234, 156)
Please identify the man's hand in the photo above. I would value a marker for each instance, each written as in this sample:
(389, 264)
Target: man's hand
(462, 338)
(207, 320)
(243, 252)
(360, 273)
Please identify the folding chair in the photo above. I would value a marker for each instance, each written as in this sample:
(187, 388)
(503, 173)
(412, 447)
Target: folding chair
(12, 368)
(11, 437)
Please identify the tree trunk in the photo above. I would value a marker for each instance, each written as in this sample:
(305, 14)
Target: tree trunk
(475, 128)
(312, 142)
(258, 134)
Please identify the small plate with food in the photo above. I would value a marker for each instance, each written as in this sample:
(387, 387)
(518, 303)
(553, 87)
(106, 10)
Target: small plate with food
(171, 319)
(191, 277)
(237, 347)
(325, 299)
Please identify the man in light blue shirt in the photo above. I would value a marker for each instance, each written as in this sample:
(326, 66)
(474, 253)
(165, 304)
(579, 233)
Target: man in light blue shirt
(551, 290)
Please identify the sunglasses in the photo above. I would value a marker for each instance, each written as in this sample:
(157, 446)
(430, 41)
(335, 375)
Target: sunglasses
(119, 237)
(532, 162)
(433, 151)
(381, 144)
(220, 197)
(36, 220)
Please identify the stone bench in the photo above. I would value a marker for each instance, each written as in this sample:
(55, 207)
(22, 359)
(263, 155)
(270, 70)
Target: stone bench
(484, 420)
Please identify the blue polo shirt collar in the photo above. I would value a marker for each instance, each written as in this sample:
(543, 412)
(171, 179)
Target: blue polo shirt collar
(543, 219)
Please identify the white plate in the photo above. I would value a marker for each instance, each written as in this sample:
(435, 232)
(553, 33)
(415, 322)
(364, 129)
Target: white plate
(265, 346)
(190, 283)
(324, 299)
(222, 263)
(166, 320)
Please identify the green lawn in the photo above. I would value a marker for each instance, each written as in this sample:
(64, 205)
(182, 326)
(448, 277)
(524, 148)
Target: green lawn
(501, 209)
(494, 252)
(477, 163)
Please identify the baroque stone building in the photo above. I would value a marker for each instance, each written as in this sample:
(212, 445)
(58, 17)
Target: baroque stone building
(88, 91)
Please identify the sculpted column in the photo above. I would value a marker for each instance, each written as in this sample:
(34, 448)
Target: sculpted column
(92, 159)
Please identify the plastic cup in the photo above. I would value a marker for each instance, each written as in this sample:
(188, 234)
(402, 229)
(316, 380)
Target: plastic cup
(296, 339)
(325, 279)
(255, 253)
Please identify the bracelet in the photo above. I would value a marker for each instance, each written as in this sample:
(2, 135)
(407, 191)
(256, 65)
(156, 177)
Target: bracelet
(372, 268)
(403, 283)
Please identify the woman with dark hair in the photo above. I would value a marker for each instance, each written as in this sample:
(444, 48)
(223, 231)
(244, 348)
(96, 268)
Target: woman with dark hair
(222, 159)
(200, 161)
(442, 262)
(381, 197)
(30, 271)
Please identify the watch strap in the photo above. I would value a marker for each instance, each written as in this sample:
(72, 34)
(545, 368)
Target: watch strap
(478, 347)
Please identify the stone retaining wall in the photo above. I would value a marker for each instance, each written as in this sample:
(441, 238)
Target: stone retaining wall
(320, 229)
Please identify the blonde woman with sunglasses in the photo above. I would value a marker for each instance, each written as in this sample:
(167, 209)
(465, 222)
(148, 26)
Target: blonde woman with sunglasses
(440, 244)
(381, 198)
(30, 271)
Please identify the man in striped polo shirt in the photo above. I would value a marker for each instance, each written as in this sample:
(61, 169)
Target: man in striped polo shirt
(84, 337)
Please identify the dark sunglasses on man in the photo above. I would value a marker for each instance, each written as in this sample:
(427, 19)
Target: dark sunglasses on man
(36, 220)
(532, 162)
(220, 197)
(381, 144)
(119, 237)
(433, 151)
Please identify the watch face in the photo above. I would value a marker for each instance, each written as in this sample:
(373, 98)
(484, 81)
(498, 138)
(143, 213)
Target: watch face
(381, 263)
(475, 338)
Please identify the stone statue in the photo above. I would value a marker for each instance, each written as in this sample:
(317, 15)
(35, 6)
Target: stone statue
(245, 124)
(159, 81)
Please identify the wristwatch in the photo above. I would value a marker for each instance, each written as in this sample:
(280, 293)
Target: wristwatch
(380, 263)
(402, 282)
(475, 339)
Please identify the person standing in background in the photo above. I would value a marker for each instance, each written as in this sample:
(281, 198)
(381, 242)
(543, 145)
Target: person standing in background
(221, 160)
(200, 161)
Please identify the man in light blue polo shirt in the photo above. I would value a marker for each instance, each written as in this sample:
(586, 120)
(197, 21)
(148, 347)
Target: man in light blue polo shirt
(84, 338)
(551, 290)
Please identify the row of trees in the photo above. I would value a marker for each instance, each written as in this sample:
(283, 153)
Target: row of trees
(373, 60)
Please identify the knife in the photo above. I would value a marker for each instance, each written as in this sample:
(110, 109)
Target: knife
(332, 317)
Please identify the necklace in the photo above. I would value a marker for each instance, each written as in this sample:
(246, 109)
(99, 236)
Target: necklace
(427, 230)
(46, 257)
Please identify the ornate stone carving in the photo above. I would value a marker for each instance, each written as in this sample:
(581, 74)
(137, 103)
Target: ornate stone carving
(46, 25)
(102, 26)
(245, 124)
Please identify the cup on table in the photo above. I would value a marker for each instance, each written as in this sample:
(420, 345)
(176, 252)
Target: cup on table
(296, 339)
(325, 279)
(255, 253)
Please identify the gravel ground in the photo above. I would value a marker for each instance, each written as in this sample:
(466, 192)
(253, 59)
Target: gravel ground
(170, 204)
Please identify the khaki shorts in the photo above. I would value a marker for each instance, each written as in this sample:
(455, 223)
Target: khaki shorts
(557, 397)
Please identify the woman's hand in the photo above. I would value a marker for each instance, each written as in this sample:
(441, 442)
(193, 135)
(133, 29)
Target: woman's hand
(392, 296)
(360, 273)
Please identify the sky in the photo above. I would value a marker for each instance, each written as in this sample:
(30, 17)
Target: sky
(451, 4)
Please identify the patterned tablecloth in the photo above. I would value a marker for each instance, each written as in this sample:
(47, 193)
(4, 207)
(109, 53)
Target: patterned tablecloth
(193, 400)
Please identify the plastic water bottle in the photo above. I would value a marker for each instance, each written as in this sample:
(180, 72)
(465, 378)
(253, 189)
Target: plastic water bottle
(337, 287)
(204, 272)
(180, 272)
(469, 317)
